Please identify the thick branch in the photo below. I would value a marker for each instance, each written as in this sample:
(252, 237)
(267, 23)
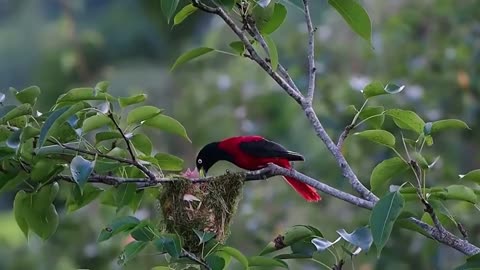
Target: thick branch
(342, 162)
(442, 236)
(447, 238)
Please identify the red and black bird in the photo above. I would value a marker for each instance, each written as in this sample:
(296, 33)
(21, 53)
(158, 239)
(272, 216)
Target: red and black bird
(253, 153)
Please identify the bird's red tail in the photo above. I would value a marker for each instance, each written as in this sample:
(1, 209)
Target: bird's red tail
(307, 192)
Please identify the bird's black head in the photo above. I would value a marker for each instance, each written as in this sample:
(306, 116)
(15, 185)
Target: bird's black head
(209, 155)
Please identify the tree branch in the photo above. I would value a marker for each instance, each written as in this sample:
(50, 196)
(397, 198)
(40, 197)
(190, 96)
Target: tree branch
(310, 53)
(342, 162)
(369, 199)
(194, 258)
(253, 54)
(443, 236)
(137, 164)
(255, 33)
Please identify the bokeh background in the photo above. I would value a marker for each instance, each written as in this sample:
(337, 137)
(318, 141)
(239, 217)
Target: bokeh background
(432, 47)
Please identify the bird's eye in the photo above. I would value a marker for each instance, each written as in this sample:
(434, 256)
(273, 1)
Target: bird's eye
(199, 161)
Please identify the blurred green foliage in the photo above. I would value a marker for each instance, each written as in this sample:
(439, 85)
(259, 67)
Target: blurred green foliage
(431, 47)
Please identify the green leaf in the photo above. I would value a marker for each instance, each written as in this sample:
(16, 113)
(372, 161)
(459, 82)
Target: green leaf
(107, 135)
(119, 225)
(383, 216)
(143, 232)
(277, 18)
(6, 152)
(169, 243)
(457, 192)
(28, 133)
(379, 136)
(406, 120)
(57, 149)
(168, 8)
(102, 86)
(354, 14)
(81, 169)
(142, 143)
(169, 162)
(132, 249)
(21, 210)
(94, 122)
(292, 256)
(142, 113)
(79, 199)
(384, 171)
(473, 176)
(168, 124)
(238, 47)
(235, 253)
(361, 237)
(375, 115)
(215, 262)
(272, 49)
(472, 263)
(44, 169)
(228, 4)
(192, 54)
(448, 124)
(266, 262)
(45, 222)
(304, 247)
(125, 194)
(83, 94)
(373, 89)
(16, 111)
(5, 132)
(183, 14)
(35, 211)
(56, 119)
(204, 236)
(10, 180)
(126, 101)
(28, 95)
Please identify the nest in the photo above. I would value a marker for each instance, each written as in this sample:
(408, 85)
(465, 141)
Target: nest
(206, 207)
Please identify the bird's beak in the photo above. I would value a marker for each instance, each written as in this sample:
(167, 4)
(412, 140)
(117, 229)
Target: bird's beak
(201, 172)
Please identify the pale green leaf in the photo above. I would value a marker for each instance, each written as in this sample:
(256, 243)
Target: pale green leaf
(384, 215)
(355, 15)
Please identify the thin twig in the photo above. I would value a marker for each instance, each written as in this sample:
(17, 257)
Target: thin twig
(344, 136)
(137, 164)
(194, 258)
(127, 141)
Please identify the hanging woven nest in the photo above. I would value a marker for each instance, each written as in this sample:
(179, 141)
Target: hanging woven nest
(203, 206)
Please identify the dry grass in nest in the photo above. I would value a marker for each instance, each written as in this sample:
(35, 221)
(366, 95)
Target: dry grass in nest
(207, 207)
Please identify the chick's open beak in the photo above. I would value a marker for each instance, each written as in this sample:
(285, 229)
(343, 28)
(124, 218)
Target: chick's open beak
(201, 172)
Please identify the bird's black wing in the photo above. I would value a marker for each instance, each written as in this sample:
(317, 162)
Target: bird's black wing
(268, 149)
